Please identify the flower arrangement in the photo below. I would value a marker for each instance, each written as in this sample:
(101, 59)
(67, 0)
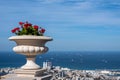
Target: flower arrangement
(27, 28)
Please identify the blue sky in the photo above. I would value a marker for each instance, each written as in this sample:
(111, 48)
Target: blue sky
(75, 25)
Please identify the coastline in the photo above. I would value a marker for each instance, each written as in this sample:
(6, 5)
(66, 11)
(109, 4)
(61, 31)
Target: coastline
(65, 73)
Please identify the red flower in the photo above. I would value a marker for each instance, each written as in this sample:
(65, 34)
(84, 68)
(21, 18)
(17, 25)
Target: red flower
(15, 29)
(36, 27)
(26, 26)
(29, 24)
(42, 30)
(21, 23)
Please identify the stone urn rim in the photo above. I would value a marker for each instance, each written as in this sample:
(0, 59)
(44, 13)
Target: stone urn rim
(31, 37)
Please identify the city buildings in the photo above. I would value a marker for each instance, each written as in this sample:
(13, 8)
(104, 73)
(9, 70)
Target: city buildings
(59, 73)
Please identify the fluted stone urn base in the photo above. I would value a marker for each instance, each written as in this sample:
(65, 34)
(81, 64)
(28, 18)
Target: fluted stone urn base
(30, 63)
(30, 46)
(30, 52)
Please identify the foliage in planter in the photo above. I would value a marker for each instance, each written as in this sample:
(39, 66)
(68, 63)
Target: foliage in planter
(28, 29)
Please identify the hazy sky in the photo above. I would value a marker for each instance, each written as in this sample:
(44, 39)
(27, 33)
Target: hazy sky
(75, 25)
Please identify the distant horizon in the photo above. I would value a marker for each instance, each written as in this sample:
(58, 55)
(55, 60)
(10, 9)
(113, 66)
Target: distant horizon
(74, 25)
(68, 51)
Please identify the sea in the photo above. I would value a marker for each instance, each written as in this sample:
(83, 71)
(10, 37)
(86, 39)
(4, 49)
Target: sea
(80, 60)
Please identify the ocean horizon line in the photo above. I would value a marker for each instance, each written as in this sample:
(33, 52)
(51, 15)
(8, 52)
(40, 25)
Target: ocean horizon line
(70, 51)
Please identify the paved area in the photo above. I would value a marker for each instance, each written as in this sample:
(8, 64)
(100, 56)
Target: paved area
(14, 77)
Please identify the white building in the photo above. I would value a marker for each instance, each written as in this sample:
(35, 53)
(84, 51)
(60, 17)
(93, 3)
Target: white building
(47, 65)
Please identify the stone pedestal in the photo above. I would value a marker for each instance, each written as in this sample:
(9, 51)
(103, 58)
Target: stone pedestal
(29, 73)
(15, 77)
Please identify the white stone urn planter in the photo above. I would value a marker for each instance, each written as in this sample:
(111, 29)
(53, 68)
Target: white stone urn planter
(30, 46)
